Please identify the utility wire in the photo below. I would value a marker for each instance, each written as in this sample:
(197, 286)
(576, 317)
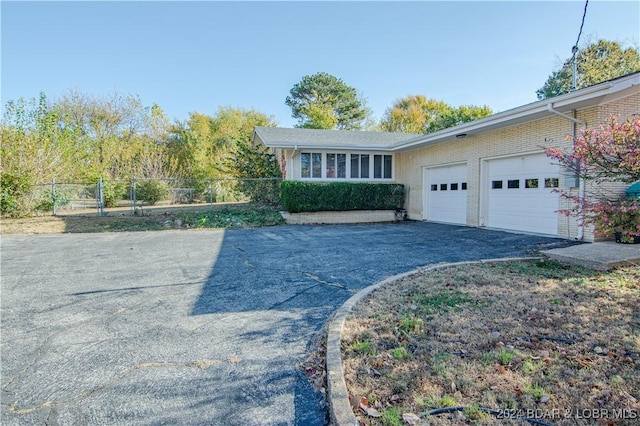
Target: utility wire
(574, 49)
(584, 14)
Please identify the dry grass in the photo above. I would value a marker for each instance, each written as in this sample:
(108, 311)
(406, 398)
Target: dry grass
(537, 339)
(241, 215)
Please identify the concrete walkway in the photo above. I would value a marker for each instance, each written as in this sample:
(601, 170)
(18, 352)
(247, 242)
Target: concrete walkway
(195, 327)
(601, 256)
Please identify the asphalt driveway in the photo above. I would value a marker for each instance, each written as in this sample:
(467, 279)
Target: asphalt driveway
(195, 327)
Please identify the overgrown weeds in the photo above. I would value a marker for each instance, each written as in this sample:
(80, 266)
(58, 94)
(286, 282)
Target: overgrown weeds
(148, 219)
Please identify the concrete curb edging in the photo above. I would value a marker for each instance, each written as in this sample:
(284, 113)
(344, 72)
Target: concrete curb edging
(340, 410)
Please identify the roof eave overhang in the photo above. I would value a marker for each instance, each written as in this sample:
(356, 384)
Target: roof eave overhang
(583, 98)
(335, 148)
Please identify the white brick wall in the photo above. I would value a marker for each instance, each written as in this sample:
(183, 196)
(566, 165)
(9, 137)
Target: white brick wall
(518, 139)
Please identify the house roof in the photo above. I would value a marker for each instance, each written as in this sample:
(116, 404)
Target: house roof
(275, 137)
(278, 137)
(559, 105)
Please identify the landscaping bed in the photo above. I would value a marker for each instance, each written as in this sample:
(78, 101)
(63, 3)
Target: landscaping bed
(156, 218)
(530, 340)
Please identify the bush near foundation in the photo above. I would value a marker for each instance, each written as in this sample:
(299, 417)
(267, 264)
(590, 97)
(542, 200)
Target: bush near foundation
(298, 196)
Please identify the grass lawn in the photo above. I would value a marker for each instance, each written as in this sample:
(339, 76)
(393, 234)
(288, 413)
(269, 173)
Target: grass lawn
(535, 339)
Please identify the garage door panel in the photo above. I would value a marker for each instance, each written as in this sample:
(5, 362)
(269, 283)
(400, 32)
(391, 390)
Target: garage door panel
(521, 194)
(446, 194)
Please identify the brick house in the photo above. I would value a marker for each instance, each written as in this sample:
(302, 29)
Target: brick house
(491, 172)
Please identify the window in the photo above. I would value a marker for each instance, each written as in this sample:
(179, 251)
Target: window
(360, 166)
(464, 186)
(311, 165)
(333, 165)
(551, 183)
(387, 166)
(305, 165)
(454, 186)
(382, 166)
(443, 187)
(531, 183)
(336, 166)
(316, 165)
(513, 183)
(434, 187)
(496, 184)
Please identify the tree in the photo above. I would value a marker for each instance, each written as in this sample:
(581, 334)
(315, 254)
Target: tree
(118, 137)
(608, 154)
(35, 145)
(322, 101)
(35, 148)
(418, 114)
(597, 62)
(202, 144)
(257, 171)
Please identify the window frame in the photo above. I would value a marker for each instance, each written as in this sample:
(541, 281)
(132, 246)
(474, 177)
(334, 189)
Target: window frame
(368, 159)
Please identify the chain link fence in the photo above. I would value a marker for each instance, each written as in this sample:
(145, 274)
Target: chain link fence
(133, 196)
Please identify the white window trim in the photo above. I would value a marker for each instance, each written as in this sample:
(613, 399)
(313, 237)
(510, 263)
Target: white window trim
(348, 166)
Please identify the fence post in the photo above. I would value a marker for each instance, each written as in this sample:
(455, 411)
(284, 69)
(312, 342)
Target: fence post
(211, 192)
(53, 196)
(133, 195)
(100, 197)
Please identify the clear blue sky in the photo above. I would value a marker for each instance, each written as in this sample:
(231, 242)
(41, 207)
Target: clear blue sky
(197, 56)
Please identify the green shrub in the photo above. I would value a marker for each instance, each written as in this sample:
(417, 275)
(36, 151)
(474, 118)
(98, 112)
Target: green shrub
(151, 191)
(112, 192)
(12, 190)
(297, 196)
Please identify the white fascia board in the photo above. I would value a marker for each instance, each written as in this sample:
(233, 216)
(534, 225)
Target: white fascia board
(332, 148)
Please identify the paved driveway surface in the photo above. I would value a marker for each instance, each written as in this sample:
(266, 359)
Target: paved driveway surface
(196, 327)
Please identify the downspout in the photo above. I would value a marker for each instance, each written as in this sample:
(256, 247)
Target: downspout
(581, 184)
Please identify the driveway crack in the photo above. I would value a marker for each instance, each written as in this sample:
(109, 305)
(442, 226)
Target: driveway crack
(317, 279)
(319, 282)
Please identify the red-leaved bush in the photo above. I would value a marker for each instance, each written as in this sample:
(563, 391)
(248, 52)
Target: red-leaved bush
(608, 154)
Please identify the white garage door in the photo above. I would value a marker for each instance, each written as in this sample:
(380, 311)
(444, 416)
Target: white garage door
(445, 194)
(520, 194)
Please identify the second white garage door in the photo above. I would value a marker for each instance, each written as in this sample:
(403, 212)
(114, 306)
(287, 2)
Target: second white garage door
(445, 194)
(520, 194)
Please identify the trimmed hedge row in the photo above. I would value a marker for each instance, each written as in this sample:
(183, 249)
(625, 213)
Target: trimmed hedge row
(297, 196)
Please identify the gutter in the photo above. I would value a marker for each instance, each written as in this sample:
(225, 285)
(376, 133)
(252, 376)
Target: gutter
(581, 184)
(568, 117)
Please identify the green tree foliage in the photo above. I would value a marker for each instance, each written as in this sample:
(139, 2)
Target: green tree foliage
(418, 114)
(118, 136)
(12, 191)
(251, 161)
(202, 144)
(322, 101)
(597, 62)
(36, 146)
(80, 138)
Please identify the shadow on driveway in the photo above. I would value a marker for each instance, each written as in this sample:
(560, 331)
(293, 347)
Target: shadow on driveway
(198, 327)
(311, 270)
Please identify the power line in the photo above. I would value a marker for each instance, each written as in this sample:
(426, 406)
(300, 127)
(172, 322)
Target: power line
(584, 14)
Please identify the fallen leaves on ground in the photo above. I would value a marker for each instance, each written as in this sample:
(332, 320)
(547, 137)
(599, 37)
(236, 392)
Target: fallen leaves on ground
(521, 337)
